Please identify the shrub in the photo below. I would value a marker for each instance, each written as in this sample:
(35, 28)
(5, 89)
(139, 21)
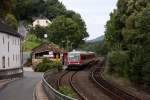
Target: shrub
(146, 72)
(66, 91)
(118, 63)
(47, 64)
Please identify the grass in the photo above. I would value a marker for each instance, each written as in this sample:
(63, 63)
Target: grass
(66, 90)
(30, 42)
(114, 77)
(29, 45)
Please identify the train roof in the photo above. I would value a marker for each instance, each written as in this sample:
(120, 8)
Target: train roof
(83, 52)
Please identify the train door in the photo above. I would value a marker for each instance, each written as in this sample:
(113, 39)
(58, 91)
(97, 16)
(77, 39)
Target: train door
(65, 58)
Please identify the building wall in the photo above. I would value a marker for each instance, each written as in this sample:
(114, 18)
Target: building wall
(41, 22)
(10, 49)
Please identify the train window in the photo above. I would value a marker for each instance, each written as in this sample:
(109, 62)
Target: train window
(83, 57)
(73, 57)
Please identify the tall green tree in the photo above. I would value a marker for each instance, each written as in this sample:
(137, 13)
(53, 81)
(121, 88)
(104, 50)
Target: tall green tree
(128, 32)
(65, 31)
(11, 21)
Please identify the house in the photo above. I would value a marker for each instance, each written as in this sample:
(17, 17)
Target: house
(10, 47)
(43, 22)
(49, 50)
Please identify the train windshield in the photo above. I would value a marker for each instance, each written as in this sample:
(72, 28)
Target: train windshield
(74, 57)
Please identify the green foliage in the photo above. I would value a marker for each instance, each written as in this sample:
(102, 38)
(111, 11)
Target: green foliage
(74, 29)
(11, 21)
(66, 91)
(66, 30)
(97, 47)
(47, 64)
(26, 9)
(128, 30)
(146, 76)
(30, 42)
(119, 62)
(40, 31)
(77, 18)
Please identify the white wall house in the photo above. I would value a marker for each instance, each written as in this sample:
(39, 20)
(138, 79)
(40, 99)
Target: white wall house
(10, 48)
(44, 22)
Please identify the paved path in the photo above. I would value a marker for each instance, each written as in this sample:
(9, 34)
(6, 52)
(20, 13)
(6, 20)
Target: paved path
(21, 89)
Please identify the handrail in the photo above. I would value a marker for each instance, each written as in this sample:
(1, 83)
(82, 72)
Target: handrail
(52, 93)
(11, 73)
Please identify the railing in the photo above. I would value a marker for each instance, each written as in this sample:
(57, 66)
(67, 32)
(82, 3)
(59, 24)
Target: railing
(11, 73)
(52, 93)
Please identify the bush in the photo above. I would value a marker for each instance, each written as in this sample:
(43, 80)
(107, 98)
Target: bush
(118, 62)
(66, 91)
(146, 72)
(47, 64)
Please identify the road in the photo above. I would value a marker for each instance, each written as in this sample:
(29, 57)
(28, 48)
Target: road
(21, 89)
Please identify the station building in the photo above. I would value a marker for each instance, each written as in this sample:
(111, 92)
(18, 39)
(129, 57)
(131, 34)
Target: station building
(48, 50)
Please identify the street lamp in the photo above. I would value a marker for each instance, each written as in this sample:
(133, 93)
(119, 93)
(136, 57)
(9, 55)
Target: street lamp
(45, 37)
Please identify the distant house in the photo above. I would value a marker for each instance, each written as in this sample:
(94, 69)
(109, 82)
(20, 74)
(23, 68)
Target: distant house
(43, 22)
(49, 50)
(10, 47)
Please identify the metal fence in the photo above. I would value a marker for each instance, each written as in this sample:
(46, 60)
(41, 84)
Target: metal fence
(11, 73)
(52, 93)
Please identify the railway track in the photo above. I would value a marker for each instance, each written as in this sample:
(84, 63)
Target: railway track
(110, 90)
(71, 83)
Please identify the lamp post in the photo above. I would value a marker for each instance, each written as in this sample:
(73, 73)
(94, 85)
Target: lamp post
(45, 37)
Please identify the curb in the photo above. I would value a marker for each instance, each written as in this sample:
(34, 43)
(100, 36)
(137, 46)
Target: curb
(39, 93)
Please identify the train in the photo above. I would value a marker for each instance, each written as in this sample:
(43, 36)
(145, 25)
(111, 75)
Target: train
(78, 59)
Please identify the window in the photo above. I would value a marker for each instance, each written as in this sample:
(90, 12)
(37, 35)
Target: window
(8, 46)
(16, 58)
(3, 40)
(18, 41)
(3, 61)
(8, 62)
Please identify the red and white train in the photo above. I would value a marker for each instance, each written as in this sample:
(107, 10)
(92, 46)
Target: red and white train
(77, 59)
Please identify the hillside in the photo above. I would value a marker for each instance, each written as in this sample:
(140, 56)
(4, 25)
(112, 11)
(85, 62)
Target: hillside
(98, 39)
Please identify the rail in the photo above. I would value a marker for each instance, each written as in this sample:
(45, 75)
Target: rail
(75, 89)
(11, 73)
(52, 93)
(114, 92)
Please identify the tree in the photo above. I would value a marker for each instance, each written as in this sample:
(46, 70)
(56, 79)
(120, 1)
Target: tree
(40, 31)
(77, 18)
(11, 21)
(128, 30)
(65, 30)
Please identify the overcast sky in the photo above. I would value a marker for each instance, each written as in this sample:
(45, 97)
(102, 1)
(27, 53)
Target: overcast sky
(94, 12)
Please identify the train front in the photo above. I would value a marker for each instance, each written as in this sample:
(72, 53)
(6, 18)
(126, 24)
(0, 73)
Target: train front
(74, 61)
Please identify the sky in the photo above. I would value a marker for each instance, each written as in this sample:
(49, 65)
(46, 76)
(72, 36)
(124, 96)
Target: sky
(95, 13)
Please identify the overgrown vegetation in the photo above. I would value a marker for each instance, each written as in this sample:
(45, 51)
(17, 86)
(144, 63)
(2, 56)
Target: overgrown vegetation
(66, 90)
(128, 41)
(47, 64)
(73, 31)
(97, 47)
(30, 42)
